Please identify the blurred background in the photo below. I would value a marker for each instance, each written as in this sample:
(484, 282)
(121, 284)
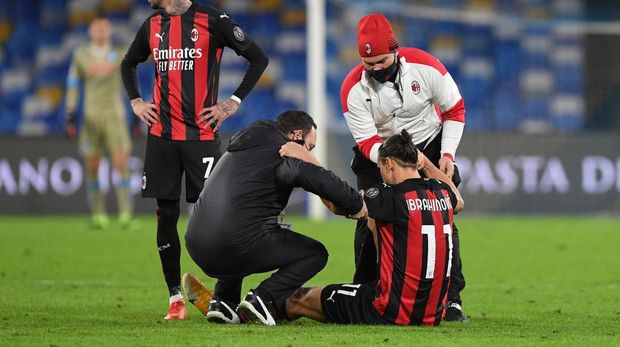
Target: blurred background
(540, 80)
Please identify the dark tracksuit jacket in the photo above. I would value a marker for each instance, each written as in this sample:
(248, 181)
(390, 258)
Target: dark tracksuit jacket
(245, 194)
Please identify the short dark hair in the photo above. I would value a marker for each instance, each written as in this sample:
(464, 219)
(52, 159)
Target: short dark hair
(292, 120)
(401, 148)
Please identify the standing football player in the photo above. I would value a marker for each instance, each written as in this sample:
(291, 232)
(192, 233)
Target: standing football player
(104, 127)
(186, 41)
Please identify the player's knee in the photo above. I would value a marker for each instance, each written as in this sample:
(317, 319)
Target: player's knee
(168, 210)
(320, 256)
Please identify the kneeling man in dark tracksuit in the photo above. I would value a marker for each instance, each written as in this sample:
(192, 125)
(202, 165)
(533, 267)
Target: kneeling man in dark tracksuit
(234, 231)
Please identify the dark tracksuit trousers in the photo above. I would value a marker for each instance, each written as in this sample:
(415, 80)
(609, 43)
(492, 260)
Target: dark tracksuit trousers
(296, 257)
(366, 271)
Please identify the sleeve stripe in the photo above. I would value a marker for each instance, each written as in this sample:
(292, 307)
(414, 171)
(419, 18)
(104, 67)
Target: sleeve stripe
(456, 113)
(367, 145)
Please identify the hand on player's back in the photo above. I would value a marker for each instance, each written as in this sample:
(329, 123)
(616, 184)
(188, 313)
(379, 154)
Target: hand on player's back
(146, 111)
(217, 114)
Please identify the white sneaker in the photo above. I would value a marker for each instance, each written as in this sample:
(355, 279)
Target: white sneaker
(220, 312)
(253, 309)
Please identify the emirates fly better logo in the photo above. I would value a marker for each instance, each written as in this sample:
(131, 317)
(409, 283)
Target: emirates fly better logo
(176, 59)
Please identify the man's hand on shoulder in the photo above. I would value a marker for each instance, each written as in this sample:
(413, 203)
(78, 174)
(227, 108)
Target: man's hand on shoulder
(294, 150)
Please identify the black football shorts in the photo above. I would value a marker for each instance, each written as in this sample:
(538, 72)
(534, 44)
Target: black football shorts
(166, 160)
(350, 304)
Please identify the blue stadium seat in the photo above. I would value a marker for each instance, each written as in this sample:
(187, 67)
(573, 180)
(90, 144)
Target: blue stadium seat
(475, 91)
(26, 12)
(568, 124)
(448, 3)
(536, 107)
(20, 47)
(478, 119)
(416, 33)
(568, 78)
(53, 5)
(476, 41)
(267, 24)
(51, 35)
(52, 76)
(294, 67)
(295, 3)
(507, 110)
(507, 61)
(9, 119)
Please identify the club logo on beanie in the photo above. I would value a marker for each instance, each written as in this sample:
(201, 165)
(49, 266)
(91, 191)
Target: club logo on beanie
(375, 36)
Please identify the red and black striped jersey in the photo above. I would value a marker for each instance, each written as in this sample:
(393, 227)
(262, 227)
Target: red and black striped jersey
(187, 50)
(414, 234)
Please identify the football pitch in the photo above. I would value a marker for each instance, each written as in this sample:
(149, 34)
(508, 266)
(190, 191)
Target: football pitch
(530, 281)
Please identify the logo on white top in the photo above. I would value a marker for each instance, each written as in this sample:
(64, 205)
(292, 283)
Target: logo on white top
(160, 36)
(415, 87)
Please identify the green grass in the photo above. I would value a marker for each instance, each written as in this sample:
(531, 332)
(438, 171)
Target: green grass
(530, 281)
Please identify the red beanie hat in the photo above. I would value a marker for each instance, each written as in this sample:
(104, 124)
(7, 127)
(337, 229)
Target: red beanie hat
(375, 36)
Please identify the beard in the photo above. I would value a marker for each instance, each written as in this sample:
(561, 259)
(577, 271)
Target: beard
(155, 4)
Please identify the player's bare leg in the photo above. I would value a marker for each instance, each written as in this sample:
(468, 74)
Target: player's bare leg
(96, 197)
(123, 191)
(306, 302)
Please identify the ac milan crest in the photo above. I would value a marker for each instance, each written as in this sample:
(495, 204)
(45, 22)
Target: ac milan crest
(415, 87)
(194, 35)
(144, 181)
(368, 48)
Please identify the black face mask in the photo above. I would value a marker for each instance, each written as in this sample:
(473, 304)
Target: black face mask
(384, 75)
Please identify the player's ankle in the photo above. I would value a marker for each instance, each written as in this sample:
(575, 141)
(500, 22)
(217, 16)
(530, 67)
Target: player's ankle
(176, 297)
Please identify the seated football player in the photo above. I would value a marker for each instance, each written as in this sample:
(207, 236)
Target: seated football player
(411, 221)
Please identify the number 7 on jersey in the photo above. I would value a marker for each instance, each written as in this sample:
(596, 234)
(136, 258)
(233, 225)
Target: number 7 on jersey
(209, 161)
